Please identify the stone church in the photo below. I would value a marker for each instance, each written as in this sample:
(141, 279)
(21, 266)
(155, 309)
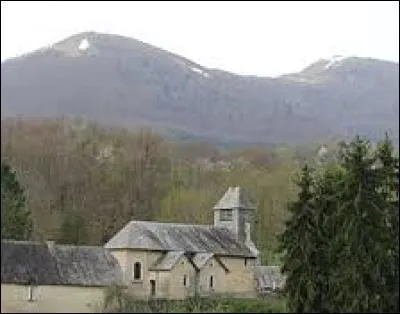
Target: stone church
(151, 259)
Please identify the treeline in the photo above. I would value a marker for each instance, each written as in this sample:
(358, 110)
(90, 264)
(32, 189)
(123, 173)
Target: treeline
(83, 182)
(341, 243)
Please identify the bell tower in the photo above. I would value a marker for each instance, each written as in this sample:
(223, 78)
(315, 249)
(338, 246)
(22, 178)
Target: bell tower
(234, 211)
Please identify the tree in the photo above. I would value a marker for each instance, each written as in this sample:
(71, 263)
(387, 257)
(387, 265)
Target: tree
(15, 217)
(347, 260)
(73, 229)
(298, 247)
(326, 201)
(362, 237)
(388, 174)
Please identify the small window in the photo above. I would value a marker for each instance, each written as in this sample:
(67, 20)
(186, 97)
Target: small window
(137, 271)
(245, 262)
(185, 280)
(31, 293)
(152, 288)
(211, 282)
(225, 215)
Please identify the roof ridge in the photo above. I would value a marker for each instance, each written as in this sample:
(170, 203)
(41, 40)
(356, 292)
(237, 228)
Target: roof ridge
(172, 223)
(46, 242)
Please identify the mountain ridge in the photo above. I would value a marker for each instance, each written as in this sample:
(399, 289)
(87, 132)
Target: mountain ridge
(118, 80)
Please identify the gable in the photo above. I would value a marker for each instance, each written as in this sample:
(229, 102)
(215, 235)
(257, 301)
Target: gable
(200, 260)
(167, 261)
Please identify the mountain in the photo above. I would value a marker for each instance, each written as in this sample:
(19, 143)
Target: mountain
(121, 81)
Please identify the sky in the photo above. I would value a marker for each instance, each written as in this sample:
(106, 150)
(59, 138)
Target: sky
(251, 38)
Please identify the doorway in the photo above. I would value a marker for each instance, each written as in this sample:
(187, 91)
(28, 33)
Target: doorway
(152, 288)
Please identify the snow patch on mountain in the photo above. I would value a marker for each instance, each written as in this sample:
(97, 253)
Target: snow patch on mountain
(335, 60)
(200, 71)
(84, 45)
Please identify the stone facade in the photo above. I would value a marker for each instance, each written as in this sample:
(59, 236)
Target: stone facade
(51, 299)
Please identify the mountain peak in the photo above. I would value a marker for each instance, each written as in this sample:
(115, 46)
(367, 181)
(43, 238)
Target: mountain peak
(334, 61)
(120, 80)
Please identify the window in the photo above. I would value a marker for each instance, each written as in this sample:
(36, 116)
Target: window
(211, 282)
(152, 288)
(225, 215)
(137, 271)
(31, 293)
(245, 262)
(185, 280)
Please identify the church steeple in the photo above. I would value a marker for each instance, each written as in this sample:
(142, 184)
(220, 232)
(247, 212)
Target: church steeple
(233, 211)
(234, 198)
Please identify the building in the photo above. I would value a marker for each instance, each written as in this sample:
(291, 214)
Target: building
(45, 277)
(151, 259)
(175, 261)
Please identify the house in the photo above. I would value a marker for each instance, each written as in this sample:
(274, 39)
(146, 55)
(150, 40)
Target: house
(150, 259)
(45, 277)
(174, 261)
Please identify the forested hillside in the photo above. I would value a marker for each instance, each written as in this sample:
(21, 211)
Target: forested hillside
(83, 183)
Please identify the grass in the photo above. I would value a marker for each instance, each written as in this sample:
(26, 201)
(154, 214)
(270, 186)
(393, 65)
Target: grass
(120, 302)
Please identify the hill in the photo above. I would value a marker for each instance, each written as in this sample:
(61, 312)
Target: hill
(121, 81)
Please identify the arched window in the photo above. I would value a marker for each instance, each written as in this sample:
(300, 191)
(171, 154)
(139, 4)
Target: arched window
(185, 280)
(137, 271)
(211, 282)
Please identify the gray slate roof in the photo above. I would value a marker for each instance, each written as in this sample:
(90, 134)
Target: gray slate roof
(156, 236)
(234, 197)
(200, 259)
(24, 262)
(167, 261)
(269, 278)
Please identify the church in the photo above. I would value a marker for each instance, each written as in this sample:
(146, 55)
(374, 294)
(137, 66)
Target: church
(151, 259)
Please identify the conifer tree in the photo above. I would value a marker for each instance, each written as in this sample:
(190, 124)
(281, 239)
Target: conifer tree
(358, 248)
(341, 244)
(16, 222)
(326, 202)
(388, 176)
(298, 247)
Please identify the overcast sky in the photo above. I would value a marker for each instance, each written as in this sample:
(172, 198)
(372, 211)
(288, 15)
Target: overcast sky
(258, 38)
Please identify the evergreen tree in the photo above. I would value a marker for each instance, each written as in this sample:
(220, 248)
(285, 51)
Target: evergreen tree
(298, 247)
(388, 174)
(326, 201)
(358, 250)
(341, 244)
(15, 217)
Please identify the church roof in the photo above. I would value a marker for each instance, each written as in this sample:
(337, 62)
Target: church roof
(234, 197)
(167, 261)
(149, 235)
(200, 259)
(25, 262)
